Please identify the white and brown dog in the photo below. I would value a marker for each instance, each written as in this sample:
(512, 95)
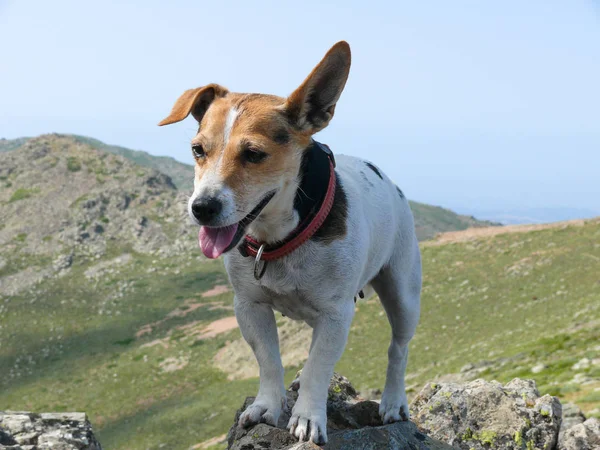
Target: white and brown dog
(301, 235)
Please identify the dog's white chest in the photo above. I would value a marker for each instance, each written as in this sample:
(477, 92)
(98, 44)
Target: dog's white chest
(295, 306)
(285, 290)
(292, 288)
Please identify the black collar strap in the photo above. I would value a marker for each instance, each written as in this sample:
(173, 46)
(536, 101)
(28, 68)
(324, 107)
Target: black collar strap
(313, 201)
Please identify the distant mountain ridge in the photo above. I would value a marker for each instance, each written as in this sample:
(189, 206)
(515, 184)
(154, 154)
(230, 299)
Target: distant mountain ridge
(429, 219)
(7, 145)
(181, 174)
(522, 216)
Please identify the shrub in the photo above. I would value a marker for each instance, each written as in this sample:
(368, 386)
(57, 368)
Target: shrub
(73, 164)
(22, 193)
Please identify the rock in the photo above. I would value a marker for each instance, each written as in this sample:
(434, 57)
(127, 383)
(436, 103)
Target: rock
(467, 367)
(583, 363)
(62, 262)
(571, 416)
(538, 368)
(57, 431)
(486, 415)
(352, 424)
(583, 436)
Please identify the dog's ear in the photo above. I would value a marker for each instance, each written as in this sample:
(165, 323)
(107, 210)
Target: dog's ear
(195, 101)
(311, 106)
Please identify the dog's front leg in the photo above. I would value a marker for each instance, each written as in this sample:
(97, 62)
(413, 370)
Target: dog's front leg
(309, 415)
(259, 329)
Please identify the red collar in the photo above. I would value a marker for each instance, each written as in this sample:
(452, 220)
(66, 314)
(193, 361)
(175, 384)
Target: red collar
(305, 230)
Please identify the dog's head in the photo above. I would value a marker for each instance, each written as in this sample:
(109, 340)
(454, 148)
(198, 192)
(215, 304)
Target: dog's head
(249, 147)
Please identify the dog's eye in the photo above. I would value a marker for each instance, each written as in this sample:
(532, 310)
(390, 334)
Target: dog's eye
(198, 151)
(253, 156)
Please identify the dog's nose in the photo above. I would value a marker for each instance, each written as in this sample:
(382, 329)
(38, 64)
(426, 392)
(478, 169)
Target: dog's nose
(206, 209)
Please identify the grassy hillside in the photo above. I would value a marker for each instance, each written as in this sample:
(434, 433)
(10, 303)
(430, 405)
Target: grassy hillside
(131, 341)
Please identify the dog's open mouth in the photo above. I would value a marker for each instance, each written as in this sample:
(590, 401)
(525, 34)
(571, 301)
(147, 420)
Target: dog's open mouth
(214, 241)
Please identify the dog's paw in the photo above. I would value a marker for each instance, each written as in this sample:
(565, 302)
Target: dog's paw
(261, 411)
(393, 408)
(309, 424)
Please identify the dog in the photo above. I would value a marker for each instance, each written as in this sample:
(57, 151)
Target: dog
(302, 232)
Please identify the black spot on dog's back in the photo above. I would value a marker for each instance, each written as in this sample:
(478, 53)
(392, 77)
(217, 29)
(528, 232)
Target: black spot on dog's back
(374, 169)
(365, 179)
(334, 226)
(400, 193)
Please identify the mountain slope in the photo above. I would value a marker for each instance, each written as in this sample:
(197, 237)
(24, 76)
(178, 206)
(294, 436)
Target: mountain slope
(61, 197)
(429, 220)
(181, 174)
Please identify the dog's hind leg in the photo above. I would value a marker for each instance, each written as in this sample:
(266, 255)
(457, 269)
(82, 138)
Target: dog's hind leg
(398, 285)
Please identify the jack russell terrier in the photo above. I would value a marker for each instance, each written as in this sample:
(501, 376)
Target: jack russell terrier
(302, 233)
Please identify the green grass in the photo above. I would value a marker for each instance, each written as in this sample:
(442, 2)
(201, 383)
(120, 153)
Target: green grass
(528, 298)
(76, 350)
(22, 193)
(514, 300)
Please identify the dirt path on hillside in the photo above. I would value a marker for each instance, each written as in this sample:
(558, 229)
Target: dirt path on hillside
(480, 233)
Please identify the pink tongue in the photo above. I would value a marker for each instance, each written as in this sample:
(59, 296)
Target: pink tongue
(213, 241)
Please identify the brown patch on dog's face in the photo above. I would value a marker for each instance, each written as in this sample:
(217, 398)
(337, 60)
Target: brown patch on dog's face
(249, 146)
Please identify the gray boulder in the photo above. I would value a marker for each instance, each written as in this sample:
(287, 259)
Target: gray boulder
(486, 415)
(571, 416)
(583, 436)
(56, 431)
(353, 424)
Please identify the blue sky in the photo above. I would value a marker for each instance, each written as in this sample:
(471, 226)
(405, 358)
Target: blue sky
(466, 104)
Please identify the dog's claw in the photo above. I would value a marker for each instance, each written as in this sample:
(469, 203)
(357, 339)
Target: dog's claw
(292, 424)
(259, 412)
(308, 428)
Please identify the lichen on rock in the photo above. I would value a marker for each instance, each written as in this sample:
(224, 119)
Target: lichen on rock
(487, 415)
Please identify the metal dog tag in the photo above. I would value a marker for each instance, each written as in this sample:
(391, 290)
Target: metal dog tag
(259, 266)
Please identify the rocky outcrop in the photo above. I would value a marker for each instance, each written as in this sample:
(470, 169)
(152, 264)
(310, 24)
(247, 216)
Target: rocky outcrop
(571, 416)
(56, 431)
(478, 415)
(583, 436)
(487, 415)
(352, 424)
